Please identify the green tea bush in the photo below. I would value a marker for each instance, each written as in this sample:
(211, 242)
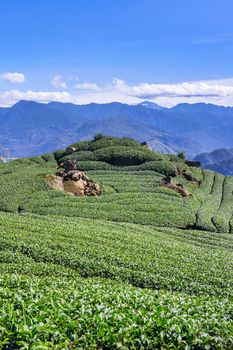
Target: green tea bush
(49, 158)
(210, 205)
(159, 258)
(38, 160)
(47, 313)
(82, 145)
(113, 142)
(58, 154)
(162, 167)
(79, 156)
(93, 165)
(173, 158)
(122, 156)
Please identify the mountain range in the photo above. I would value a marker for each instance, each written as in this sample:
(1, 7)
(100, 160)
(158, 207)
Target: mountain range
(29, 128)
(220, 160)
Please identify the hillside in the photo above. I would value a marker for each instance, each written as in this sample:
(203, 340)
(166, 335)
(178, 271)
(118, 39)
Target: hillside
(220, 160)
(29, 128)
(214, 157)
(141, 266)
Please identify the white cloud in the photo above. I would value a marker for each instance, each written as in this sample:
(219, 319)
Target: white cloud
(15, 78)
(10, 97)
(58, 82)
(88, 86)
(219, 92)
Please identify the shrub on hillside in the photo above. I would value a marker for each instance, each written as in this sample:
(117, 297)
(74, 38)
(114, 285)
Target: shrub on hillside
(38, 160)
(93, 165)
(81, 145)
(49, 158)
(162, 167)
(79, 156)
(181, 156)
(123, 156)
(99, 136)
(173, 158)
(58, 154)
(110, 142)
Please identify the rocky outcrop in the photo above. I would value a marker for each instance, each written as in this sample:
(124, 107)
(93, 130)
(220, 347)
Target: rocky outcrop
(169, 182)
(70, 150)
(176, 187)
(146, 145)
(73, 181)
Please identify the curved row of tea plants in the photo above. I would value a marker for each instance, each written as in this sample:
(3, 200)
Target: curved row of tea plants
(47, 313)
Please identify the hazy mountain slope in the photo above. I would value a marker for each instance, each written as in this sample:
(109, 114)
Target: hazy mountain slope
(216, 156)
(151, 105)
(30, 128)
(224, 167)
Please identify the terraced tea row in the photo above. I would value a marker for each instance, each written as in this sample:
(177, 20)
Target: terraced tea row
(24, 189)
(216, 198)
(141, 255)
(97, 314)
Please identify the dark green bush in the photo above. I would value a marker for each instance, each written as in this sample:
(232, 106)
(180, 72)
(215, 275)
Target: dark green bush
(58, 154)
(49, 158)
(81, 145)
(123, 156)
(173, 158)
(162, 167)
(192, 163)
(99, 136)
(181, 156)
(110, 142)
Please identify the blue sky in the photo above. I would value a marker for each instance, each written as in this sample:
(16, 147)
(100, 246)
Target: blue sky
(81, 51)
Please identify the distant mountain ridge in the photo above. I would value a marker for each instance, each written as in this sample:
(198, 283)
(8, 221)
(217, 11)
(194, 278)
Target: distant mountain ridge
(29, 128)
(220, 160)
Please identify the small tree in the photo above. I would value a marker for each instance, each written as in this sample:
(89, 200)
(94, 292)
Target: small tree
(181, 156)
(99, 136)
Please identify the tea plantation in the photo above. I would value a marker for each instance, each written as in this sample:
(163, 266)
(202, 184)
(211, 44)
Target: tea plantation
(138, 267)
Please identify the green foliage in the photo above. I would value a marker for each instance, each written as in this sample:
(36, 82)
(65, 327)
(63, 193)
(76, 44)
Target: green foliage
(181, 156)
(24, 179)
(126, 252)
(210, 204)
(162, 167)
(79, 156)
(58, 154)
(113, 142)
(38, 160)
(59, 254)
(223, 217)
(136, 200)
(82, 145)
(93, 165)
(97, 314)
(173, 158)
(99, 136)
(122, 156)
(49, 158)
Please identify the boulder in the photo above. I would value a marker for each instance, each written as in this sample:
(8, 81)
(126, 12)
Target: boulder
(70, 150)
(55, 182)
(73, 181)
(76, 188)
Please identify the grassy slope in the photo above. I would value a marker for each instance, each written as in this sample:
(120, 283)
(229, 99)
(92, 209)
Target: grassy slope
(59, 255)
